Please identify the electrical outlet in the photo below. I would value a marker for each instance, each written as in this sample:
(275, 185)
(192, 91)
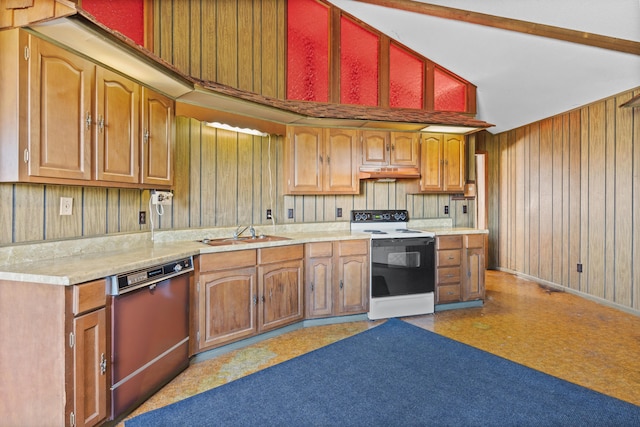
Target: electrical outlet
(579, 268)
(66, 205)
(339, 212)
(464, 209)
(446, 210)
(142, 217)
(269, 214)
(161, 197)
(290, 214)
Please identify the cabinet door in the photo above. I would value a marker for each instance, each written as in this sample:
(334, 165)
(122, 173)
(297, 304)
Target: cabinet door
(304, 160)
(90, 365)
(375, 148)
(158, 137)
(59, 113)
(319, 278)
(404, 149)
(453, 149)
(431, 163)
(280, 294)
(227, 309)
(352, 293)
(473, 288)
(340, 147)
(117, 135)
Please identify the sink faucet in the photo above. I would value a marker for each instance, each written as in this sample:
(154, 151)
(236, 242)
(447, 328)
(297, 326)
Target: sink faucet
(239, 231)
(242, 229)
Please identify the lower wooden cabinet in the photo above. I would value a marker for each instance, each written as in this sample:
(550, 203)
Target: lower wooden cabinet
(460, 268)
(337, 278)
(57, 362)
(243, 293)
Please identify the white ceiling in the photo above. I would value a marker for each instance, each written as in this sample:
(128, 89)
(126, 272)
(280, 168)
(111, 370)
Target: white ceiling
(521, 78)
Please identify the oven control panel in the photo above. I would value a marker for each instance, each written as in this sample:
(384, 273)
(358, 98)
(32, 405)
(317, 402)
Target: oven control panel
(380, 216)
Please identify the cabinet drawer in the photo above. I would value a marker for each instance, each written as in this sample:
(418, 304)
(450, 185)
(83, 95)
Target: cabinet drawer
(228, 260)
(448, 258)
(319, 249)
(448, 275)
(89, 296)
(448, 293)
(353, 247)
(474, 240)
(449, 242)
(280, 253)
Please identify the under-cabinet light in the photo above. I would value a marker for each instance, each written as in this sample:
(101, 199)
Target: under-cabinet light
(225, 126)
(449, 129)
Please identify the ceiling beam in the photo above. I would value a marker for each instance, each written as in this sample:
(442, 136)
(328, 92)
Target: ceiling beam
(549, 31)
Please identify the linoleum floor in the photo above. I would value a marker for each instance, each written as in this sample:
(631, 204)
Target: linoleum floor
(558, 333)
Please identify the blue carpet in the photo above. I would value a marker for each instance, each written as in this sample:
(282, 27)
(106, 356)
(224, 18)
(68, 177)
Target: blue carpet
(396, 375)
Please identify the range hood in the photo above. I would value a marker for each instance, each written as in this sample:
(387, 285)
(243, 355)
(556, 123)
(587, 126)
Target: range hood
(388, 174)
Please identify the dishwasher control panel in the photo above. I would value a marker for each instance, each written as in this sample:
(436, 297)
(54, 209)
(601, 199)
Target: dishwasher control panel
(132, 280)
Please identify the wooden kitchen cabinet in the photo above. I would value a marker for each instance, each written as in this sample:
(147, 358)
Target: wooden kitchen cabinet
(390, 149)
(247, 292)
(227, 298)
(320, 161)
(280, 283)
(65, 120)
(460, 268)
(60, 334)
(442, 163)
(117, 130)
(158, 139)
(337, 278)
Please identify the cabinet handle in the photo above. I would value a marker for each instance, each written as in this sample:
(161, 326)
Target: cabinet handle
(450, 257)
(320, 159)
(146, 135)
(312, 286)
(103, 364)
(255, 300)
(88, 121)
(341, 284)
(263, 298)
(393, 147)
(101, 124)
(387, 147)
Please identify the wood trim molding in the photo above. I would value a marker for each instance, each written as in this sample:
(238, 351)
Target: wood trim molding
(573, 36)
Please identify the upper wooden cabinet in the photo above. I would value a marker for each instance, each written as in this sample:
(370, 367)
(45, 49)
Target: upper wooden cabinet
(117, 131)
(442, 163)
(320, 161)
(392, 149)
(65, 120)
(158, 141)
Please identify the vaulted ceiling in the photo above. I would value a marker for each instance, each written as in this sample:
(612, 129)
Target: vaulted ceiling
(516, 52)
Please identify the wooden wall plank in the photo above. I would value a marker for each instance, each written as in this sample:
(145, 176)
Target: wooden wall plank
(584, 199)
(610, 197)
(597, 199)
(94, 211)
(209, 39)
(557, 199)
(246, 39)
(195, 173)
(534, 199)
(208, 174)
(181, 41)
(130, 204)
(566, 199)
(29, 213)
(623, 264)
(227, 49)
(526, 188)
(519, 200)
(226, 178)
(635, 291)
(181, 200)
(6, 213)
(575, 200)
(195, 39)
(547, 211)
(62, 226)
(245, 179)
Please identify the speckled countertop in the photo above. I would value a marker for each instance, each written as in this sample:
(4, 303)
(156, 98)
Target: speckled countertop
(70, 262)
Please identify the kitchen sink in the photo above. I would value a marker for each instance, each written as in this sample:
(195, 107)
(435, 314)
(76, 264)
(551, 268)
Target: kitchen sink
(224, 241)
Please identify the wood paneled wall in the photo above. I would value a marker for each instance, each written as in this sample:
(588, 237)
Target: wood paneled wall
(565, 191)
(222, 179)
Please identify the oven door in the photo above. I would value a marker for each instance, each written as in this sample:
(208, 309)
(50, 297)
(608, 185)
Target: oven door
(402, 266)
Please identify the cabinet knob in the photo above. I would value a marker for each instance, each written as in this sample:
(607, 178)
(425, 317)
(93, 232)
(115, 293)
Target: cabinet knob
(103, 364)
(88, 121)
(101, 124)
(146, 135)
(341, 284)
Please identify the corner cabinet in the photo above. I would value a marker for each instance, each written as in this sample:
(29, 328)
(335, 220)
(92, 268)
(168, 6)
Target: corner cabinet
(460, 268)
(442, 163)
(62, 337)
(66, 120)
(337, 278)
(320, 161)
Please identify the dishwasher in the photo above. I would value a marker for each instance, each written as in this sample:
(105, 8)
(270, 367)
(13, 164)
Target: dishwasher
(149, 315)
